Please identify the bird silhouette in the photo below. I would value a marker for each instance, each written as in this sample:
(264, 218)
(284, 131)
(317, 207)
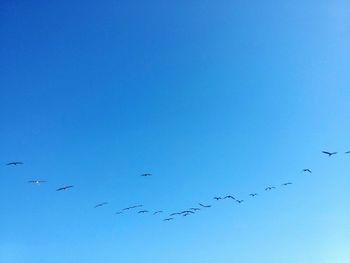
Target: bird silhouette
(168, 219)
(101, 204)
(64, 188)
(143, 211)
(229, 196)
(187, 212)
(206, 206)
(174, 214)
(14, 163)
(37, 181)
(217, 198)
(329, 153)
(194, 209)
(252, 195)
(270, 188)
(307, 170)
(157, 212)
(146, 174)
(347, 152)
(285, 184)
(239, 201)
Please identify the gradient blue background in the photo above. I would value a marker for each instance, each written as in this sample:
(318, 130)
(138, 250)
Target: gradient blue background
(212, 97)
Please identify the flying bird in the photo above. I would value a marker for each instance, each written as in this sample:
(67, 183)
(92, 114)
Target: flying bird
(329, 153)
(157, 212)
(285, 184)
(239, 201)
(229, 196)
(14, 163)
(206, 206)
(252, 195)
(143, 211)
(64, 188)
(37, 182)
(270, 188)
(101, 204)
(174, 214)
(347, 152)
(194, 209)
(146, 174)
(307, 170)
(217, 198)
(168, 219)
(187, 212)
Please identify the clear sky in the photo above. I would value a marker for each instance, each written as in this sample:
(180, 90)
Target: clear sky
(212, 97)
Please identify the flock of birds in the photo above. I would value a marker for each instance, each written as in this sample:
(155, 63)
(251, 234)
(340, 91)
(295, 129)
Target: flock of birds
(172, 216)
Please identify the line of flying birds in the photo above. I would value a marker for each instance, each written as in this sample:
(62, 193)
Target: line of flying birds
(183, 213)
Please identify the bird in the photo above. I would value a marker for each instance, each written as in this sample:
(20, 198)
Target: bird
(285, 184)
(168, 219)
(252, 195)
(217, 198)
(157, 212)
(347, 152)
(101, 204)
(329, 153)
(239, 201)
(143, 211)
(269, 188)
(229, 196)
(187, 212)
(174, 214)
(64, 187)
(134, 206)
(195, 209)
(206, 206)
(307, 170)
(146, 174)
(126, 208)
(37, 182)
(14, 163)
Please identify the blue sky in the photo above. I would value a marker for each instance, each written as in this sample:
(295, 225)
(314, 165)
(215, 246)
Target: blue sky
(212, 97)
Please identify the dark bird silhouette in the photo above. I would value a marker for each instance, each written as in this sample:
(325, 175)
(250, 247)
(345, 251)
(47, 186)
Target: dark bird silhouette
(64, 188)
(329, 153)
(14, 163)
(37, 181)
(239, 201)
(285, 184)
(174, 214)
(168, 219)
(146, 174)
(206, 206)
(270, 188)
(229, 196)
(194, 209)
(143, 211)
(347, 152)
(101, 204)
(217, 198)
(187, 212)
(252, 195)
(157, 212)
(307, 170)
